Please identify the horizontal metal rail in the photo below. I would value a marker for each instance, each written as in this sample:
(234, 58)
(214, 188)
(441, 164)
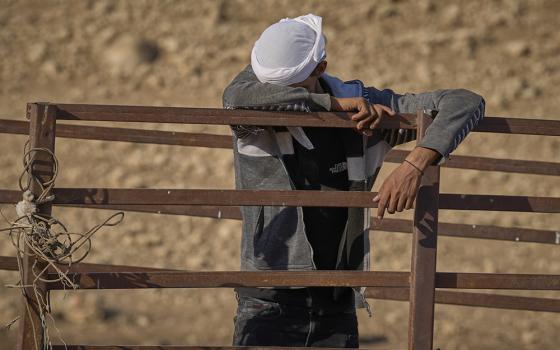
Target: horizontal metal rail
(232, 279)
(9, 263)
(498, 301)
(101, 133)
(488, 164)
(104, 198)
(177, 347)
(516, 234)
(493, 301)
(101, 196)
(87, 132)
(398, 294)
(250, 117)
(219, 116)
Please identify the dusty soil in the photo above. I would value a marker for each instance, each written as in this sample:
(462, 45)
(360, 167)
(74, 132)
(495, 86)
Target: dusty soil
(182, 53)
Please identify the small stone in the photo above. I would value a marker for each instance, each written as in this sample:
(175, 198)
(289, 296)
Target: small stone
(427, 6)
(126, 54)
(387, 11)
(143, 321)
(170, 44)
(451, 15)
(37, 52)
(529, 337)
(518, 48)
(51, 68)
(155, 81)
(148, 51)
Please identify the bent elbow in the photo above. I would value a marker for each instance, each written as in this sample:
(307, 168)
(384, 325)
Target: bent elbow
(229, 97)
(472, 99)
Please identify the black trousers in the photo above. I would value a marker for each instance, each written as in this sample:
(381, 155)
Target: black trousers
(267, 323)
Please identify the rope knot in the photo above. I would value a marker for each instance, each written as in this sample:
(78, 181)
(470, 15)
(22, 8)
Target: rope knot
(26, 207)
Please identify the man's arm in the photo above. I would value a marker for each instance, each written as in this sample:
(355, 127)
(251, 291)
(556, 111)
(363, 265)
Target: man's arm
(246, 91)
(458, 112)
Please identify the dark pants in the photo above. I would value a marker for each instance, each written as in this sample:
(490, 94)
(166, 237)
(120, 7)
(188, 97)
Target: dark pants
(266, 323)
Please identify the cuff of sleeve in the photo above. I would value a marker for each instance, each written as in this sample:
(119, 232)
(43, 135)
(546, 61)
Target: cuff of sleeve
(321, 100)
(443, 151)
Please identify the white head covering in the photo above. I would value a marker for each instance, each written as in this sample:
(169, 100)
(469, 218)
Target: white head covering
(288, 51)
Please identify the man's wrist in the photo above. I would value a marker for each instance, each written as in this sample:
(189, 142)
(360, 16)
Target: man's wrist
(422, 157)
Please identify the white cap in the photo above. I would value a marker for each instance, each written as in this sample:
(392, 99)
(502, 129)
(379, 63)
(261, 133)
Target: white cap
(288, 51)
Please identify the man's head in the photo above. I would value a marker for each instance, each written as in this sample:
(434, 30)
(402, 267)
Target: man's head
(291, 52)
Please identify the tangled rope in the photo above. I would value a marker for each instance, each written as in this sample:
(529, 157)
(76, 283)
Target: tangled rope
(46, 238)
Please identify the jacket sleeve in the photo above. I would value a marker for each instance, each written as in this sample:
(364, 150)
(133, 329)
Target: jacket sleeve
(458, 112)
(246, 91)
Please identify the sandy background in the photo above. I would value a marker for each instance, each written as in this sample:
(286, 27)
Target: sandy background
(182, 53)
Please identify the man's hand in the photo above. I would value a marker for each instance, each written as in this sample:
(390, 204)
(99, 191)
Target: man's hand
(367, 115)
(399, 189)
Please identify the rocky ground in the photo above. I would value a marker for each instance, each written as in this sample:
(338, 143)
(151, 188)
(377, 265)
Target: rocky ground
(182, 53)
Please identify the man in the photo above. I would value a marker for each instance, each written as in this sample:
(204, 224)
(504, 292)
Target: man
(287, 73)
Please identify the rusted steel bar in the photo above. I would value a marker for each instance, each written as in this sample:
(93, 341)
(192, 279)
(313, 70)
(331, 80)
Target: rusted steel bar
(87, 132)
(488, 164)
(499, 203)
(497, 281)
(9, 196)
(229, 279)
(545, 127)
(214, 212)
(218, 116)
(16, 127)
(515, 234)
(249, 117)
(105, 197)
(9, 263)
(424, 253)
(41, 135)
(493, 301)
(401, 294)
(177, 347)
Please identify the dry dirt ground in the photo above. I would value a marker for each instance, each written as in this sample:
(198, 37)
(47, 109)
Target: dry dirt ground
(182, 53)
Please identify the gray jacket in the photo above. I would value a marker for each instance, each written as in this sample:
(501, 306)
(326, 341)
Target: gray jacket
(274, 237)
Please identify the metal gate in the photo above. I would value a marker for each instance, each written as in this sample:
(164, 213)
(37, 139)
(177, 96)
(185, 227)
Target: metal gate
(422, 286)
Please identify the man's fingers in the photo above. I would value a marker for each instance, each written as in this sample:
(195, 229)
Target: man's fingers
(401, 203)
(392, 204)
(409, 203)
(381, 205)
(364, 110)
(361, 114)
(381, 112)
(386, 109)
(364, 123)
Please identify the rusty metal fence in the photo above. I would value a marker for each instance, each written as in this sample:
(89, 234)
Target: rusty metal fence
(422, 286)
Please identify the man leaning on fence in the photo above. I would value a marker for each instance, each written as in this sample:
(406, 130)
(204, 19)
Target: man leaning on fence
(287, 73)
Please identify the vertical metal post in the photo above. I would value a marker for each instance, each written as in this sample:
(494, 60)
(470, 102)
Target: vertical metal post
(42, 120)
(424, 252)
